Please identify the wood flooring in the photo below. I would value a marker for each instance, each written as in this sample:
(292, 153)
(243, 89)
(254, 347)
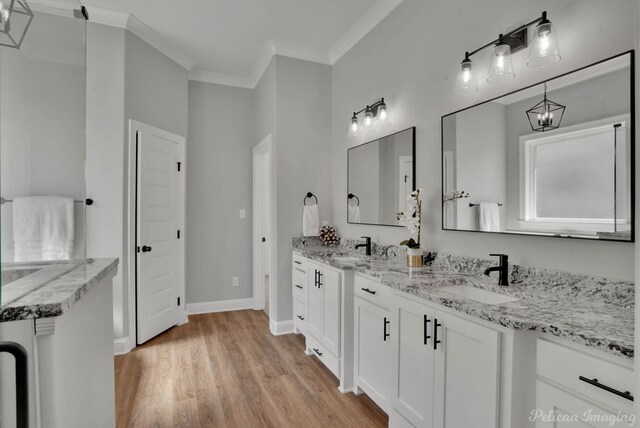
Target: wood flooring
(227, 370)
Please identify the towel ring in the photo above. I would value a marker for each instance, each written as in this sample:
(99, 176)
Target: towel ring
(309, 195)
(351, 196)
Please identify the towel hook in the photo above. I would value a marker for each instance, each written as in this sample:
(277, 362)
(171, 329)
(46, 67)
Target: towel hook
(309, 195)
(351, 196)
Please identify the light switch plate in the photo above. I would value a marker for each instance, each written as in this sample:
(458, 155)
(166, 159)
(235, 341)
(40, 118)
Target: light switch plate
(236, 282)
(243, 213)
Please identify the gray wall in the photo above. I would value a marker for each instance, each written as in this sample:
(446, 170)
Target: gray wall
(126, 79)
(219, 182)
(303, 164)
(418, 87)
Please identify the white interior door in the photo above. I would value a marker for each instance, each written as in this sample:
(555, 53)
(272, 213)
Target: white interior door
(405, 180)
(157, 235)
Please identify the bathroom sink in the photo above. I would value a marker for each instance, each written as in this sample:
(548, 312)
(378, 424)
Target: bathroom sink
(477, 294)
(347, 259)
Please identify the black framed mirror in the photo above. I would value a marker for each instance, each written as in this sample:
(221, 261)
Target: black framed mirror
(552, 159)
(380, 175)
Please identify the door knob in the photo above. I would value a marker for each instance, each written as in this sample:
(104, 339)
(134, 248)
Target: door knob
(146, 249)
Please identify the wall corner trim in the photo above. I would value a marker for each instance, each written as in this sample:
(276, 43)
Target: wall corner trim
(219, 306)
(122, 346)
(278, 328)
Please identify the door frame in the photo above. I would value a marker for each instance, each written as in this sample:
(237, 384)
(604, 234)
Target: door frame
(129, 250)
(265, 147)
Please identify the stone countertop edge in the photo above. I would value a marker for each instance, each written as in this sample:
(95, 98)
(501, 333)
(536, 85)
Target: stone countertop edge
(56, 297)
(535, 311)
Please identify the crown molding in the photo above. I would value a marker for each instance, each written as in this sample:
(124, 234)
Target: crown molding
(54, 7)
(361, 28)
(221, 79)
(131, 23)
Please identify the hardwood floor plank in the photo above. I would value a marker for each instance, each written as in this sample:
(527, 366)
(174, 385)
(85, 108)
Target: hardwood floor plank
(226, 370)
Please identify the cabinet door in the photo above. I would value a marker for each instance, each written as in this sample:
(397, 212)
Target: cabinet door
(373, 352)
(561, 409)
(315, 304)
(413, 361)
(466, 377)
(330, 287)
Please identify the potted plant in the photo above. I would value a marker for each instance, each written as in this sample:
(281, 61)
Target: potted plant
(412, 220)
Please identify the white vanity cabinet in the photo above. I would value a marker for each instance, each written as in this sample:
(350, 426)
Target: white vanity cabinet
(443, 363)
(323, 311)
(300, 291)
(373, 343)
(582, 385)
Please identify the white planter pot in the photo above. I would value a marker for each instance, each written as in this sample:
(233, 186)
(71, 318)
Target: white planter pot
(415, 257)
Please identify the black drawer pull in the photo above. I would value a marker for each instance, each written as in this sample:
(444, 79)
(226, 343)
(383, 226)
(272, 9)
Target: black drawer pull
(301, 317)
(299, 286)
(319, 279)
(597, 384)
(368, 291)
(426, 329)
(298, 262)
(317, 351)
(386, 322)
(435, 334)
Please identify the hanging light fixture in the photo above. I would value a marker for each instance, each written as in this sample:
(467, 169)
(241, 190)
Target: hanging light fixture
(545, 115)
(466, 82)
(544, 51)
(376, 116)
(501, 68)
(15, 18)
(544, 48)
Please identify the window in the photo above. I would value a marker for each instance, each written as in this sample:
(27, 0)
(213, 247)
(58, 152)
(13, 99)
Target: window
(575, 179)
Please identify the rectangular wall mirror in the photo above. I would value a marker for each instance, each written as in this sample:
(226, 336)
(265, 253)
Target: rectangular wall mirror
(552, 159)
(381, 174)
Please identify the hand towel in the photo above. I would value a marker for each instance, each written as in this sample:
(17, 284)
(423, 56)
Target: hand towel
(489, 214)
(353, 212)
(311, 220)
(43, 228)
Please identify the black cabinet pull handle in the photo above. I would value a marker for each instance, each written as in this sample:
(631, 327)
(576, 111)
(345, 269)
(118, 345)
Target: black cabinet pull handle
(435, 333)
(301, 317)
(146, 249)
(597, 384)
(368, 291)
(386, 322)
(319, 279)
(299, 286)
(316, 277)
(426, 329)
(317, 351)
(298, 262)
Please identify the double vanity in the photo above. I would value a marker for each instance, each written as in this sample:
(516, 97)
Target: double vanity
(446, 346)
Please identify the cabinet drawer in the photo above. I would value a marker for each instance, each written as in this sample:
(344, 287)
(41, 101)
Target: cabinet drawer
(299, 262)
(324, 355)
(564, 366)
(299, 314)
(371, 291)
(299, 285)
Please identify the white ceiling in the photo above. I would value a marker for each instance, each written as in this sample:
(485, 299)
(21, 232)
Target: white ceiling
(229, 37)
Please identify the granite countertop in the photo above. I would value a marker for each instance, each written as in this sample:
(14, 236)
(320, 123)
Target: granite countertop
(595, 312)
(48, 289)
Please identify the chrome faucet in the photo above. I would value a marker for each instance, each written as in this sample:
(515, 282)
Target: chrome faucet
(503, 269)
(367, 245)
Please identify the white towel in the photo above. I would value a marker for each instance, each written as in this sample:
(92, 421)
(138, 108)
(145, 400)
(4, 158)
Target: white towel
(353, 212)
(311, 220)
(43, 228)
(489, 216)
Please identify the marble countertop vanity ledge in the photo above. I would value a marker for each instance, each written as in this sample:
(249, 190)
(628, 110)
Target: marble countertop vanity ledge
(592, 311)
(49, 289)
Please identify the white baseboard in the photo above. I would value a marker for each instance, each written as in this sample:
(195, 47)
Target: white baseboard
(219, 306)
(122, 346)
(281, 327)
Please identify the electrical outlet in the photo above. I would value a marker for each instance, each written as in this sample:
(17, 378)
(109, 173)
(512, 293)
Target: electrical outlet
(236, 282)
(243, 213)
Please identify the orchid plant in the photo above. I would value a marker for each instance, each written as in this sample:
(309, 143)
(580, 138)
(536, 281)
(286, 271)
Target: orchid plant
(412, 219)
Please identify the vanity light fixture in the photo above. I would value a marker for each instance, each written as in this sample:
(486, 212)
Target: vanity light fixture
(375, 116)
(545, 115)
(543, 51)
(15, 19)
